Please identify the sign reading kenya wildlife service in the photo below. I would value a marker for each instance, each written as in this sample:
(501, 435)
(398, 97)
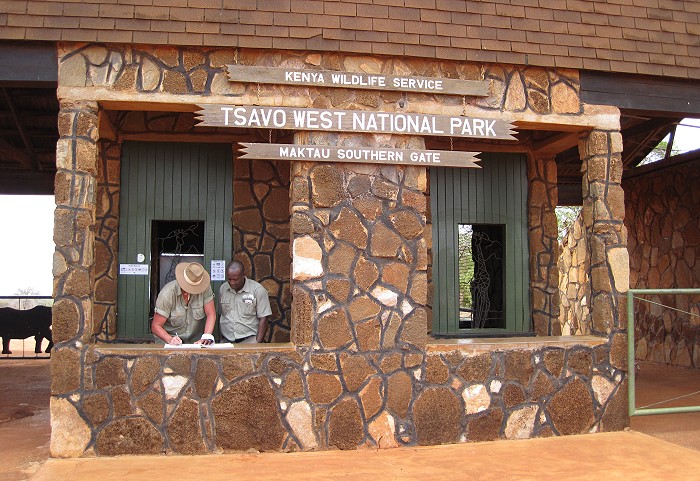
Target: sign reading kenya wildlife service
(331, 153)
(365, 121)
(357, 80)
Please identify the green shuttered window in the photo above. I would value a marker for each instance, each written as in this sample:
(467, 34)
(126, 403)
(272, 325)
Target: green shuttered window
(492, 202)
(169, 182)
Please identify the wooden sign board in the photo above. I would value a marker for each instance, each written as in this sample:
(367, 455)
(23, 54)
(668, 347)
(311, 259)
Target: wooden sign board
(366, 121)
(357, 80)
(363, 155)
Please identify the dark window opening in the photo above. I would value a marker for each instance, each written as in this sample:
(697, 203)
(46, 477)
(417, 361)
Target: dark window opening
(480, 260)
(173, 242)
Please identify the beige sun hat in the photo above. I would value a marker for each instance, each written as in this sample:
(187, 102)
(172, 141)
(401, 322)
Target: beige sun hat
(192, 277)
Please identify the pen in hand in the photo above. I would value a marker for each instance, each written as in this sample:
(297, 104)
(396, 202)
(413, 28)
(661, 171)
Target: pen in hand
(176, 341)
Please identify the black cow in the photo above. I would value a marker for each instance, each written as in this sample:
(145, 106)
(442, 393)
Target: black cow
(21, 324)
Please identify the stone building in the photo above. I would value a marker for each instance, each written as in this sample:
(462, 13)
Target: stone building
(370, 344)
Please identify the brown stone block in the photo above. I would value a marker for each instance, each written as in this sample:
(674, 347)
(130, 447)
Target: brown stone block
(65, 371)
(437, 413)
(263, 266)
(248, 220)
(145, 371)
(414, 200)
(276, 205)
(302, 317)
(324, 362)
(77, 283)
(302, 223)
(327, 185)
(391, 362)
(184, 429)
(65, 123)
(339, 289)
(571, 408)
(368, 335)
(486, 427)
(384, 242)
(64, 227)
(363, 307)
(152, 405)
(580, 362)
(106, 290)
(86, 156)
(415, 328)
(519, 366)
(436, 371)
(236, 366)
(174, 82)
(129, 436)
(600, 279)
(178, 364)
(359, 185)
(292, 386)
(369, 207)
(67, 320)
(348, 227)
(371, 397)
(407, 224)
(206, 375)
(513, 395)
(616, 414)
(618, 351)
(396, 274)
(399, 393)
(345, 426)
(365, 273)
(241, 424)
(476, 369)
(110, 372)
(541, 387)
(355, 370)
(323, 388)
(334, 329)
(602, 313)
(121, 402)
(96, 407)
(242, 194)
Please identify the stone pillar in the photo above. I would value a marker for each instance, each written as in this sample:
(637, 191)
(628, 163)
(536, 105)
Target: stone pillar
(359, 261)
(603, 216)
(544, 246)
(107, 240)
(73, 269)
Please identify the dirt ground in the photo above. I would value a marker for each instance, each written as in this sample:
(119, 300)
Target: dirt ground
(25, 424)
(25, 429)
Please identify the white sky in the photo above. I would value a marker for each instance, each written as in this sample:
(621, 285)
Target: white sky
(26, 238)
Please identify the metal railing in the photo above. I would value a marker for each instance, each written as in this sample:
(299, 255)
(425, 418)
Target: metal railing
(22, 304)
(632, 408)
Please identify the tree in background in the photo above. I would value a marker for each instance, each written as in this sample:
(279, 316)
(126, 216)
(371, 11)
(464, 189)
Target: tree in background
(566, 216)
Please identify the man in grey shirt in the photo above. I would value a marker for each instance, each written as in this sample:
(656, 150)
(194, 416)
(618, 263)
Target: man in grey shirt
(245, 306)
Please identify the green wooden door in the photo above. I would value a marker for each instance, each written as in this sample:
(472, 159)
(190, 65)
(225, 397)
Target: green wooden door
(169, 182)
(495, 195)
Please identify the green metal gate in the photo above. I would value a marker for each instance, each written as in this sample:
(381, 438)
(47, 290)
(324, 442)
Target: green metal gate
(495, 195)
(169, 182)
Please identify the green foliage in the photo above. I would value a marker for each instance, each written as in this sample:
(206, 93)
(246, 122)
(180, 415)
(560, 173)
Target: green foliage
(566, 216)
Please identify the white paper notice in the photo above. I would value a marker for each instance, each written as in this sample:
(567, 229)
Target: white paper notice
(218, 270)
(133, 269)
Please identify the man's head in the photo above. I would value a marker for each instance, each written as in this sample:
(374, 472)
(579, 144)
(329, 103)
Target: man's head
(235, 275)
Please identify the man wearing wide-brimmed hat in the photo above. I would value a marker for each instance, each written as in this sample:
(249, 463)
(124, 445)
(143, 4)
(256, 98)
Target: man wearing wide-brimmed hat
(183, 305)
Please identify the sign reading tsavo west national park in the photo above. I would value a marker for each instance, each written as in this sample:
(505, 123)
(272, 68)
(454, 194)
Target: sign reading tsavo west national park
(364, 121)
(365, 155)
(357, 80)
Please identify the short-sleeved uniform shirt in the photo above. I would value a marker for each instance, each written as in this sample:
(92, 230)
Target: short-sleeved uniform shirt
(241, 310)
(187, 321)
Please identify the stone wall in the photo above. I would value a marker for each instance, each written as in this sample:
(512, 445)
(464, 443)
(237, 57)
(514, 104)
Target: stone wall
(663, 220)
(360, 372)
(149, 402)
(261, 234)
(574, 282)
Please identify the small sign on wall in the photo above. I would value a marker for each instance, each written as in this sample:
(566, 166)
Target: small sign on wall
(133, 269)
(218, 270)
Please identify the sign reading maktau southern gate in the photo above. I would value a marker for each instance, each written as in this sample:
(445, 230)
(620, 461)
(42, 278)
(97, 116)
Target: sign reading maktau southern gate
(365, 155)
(357, 80)
(365, 121)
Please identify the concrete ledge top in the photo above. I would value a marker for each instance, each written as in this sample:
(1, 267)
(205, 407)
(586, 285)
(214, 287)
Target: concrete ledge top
(487, 344)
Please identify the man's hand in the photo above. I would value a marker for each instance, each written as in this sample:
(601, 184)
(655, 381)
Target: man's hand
(206, 340)
(175, 340)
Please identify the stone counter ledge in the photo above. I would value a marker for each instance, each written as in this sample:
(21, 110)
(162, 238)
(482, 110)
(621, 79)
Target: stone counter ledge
(142, 349)
(480, 345)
